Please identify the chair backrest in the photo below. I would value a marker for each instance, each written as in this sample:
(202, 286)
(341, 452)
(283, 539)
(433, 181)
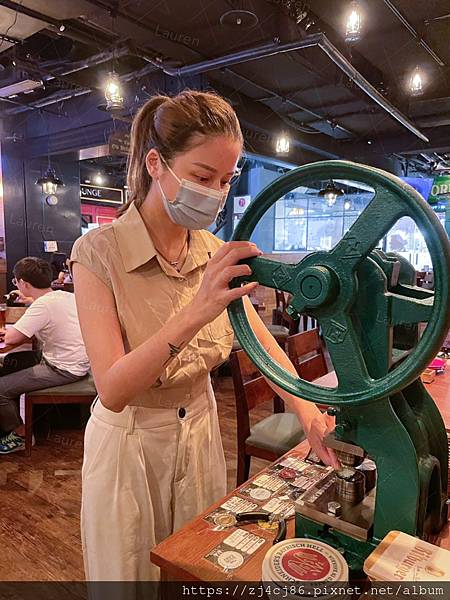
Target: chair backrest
(306, 353)
(251, 390)
(280, 300)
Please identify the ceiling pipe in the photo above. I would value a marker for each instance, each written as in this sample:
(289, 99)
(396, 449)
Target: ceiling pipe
(93, 61)
(62, 97)
(319, 40)
(346, 67)
(413, 32)
(55, 24)
(259, 52)
(271, 49)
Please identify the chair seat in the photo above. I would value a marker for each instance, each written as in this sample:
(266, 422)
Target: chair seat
(82, 387)
(279, 332)
(277, 433)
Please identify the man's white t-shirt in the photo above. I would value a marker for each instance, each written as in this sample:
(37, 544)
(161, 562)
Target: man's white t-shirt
(53, 319)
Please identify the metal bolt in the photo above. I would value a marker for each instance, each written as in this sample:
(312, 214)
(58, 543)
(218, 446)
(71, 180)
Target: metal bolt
(292, 313)
(341, 428)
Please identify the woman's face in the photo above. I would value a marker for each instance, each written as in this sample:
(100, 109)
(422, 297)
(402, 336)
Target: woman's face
(211, 163)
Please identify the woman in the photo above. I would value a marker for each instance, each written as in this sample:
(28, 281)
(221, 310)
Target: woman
(151, 290)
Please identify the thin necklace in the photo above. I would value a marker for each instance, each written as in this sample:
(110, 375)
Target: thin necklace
(174, 263)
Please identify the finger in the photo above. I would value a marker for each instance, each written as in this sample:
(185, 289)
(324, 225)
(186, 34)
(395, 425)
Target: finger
(334, 461)
(236, 293)
(230, 273)
(228, 247)
(321, 451)
(237, 254)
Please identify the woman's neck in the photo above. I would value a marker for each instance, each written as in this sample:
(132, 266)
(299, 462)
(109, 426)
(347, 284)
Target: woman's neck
(165, 234)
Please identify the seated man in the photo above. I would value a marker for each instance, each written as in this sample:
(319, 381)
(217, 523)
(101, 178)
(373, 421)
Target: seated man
(53, 319)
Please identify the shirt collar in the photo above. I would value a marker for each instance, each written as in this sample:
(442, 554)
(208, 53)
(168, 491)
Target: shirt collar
(136, 246)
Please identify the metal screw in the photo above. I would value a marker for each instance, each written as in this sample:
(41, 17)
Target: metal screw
(292, 313)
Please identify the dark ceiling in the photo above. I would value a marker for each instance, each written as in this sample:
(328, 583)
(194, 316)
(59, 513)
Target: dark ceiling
(335, 100)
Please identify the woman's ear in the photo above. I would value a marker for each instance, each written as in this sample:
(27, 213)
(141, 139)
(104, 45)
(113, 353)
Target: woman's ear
(153, 164)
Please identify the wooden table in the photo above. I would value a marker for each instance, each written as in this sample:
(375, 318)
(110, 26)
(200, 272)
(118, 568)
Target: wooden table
(181, 556)
(6, 349)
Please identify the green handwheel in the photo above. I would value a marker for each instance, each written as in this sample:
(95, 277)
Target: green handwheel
(326, 286)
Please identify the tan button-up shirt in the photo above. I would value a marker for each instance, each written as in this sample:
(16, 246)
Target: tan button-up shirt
(148, 292)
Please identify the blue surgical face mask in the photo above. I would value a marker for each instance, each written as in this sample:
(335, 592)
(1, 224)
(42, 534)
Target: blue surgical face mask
(195, 206)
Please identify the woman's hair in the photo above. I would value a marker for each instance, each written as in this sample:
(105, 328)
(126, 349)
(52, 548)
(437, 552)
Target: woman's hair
(171, 125)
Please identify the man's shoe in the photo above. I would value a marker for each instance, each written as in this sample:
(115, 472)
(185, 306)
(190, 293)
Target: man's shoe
(11, 443)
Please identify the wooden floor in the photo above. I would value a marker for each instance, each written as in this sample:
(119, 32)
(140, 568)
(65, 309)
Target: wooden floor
(40, 499)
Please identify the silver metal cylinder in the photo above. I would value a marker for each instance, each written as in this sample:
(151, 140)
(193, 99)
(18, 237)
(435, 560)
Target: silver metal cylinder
(349, 460)
(350, 485)
(369, 470)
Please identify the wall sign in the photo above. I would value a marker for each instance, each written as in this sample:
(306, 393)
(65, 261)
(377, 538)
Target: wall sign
(241, 203)
(119, 143)
(440, 190)
(104, 195)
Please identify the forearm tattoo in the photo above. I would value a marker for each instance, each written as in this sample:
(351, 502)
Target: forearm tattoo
(173, 351)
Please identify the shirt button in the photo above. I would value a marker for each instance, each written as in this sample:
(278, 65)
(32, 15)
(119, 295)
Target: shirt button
(181, 413)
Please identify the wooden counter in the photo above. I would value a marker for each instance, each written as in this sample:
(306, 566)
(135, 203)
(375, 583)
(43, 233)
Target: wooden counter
(181, 556)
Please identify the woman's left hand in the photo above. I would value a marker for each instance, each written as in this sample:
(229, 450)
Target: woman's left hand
(316, 429)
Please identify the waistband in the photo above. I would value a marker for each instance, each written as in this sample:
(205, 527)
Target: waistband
(172, 397)
(151, 417)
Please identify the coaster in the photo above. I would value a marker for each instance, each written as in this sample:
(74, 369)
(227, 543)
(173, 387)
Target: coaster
(234, 550)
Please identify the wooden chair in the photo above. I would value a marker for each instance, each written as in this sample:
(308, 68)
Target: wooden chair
(272, 436)
(79, 392)
(281, 317)
(305, 351)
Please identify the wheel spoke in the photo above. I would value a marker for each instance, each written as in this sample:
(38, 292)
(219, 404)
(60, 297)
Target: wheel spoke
(271, 273)
(409, 310)
(344, 348)
(365, 233)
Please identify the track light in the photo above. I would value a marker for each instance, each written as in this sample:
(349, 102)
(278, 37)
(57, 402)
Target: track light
(353, 28)
(330, 193)
(113, 92)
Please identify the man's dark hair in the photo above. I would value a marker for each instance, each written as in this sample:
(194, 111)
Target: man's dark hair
(35, 271)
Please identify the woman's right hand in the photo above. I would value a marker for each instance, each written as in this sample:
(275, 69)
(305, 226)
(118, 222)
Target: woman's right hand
(214, 294)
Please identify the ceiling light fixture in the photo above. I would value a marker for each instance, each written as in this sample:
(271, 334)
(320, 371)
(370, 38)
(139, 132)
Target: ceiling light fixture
(113, 92)
(99, 179)
(416, 82)
(353, 27)
(330, 193)
(282, 144)
(49, 182)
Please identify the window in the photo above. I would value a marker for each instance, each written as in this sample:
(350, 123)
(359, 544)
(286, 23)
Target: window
(406, 239)
(304, 222)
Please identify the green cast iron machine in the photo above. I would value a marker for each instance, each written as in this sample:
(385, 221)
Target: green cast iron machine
(368, 309)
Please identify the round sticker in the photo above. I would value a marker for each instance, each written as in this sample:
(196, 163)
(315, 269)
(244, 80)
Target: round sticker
(230, 559)
(306, 564)
(287, 473)
(259, 493)
(225, 520)
(304, 560)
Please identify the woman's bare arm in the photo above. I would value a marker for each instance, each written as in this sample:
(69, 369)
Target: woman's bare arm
(119, 376)
(315, 424)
